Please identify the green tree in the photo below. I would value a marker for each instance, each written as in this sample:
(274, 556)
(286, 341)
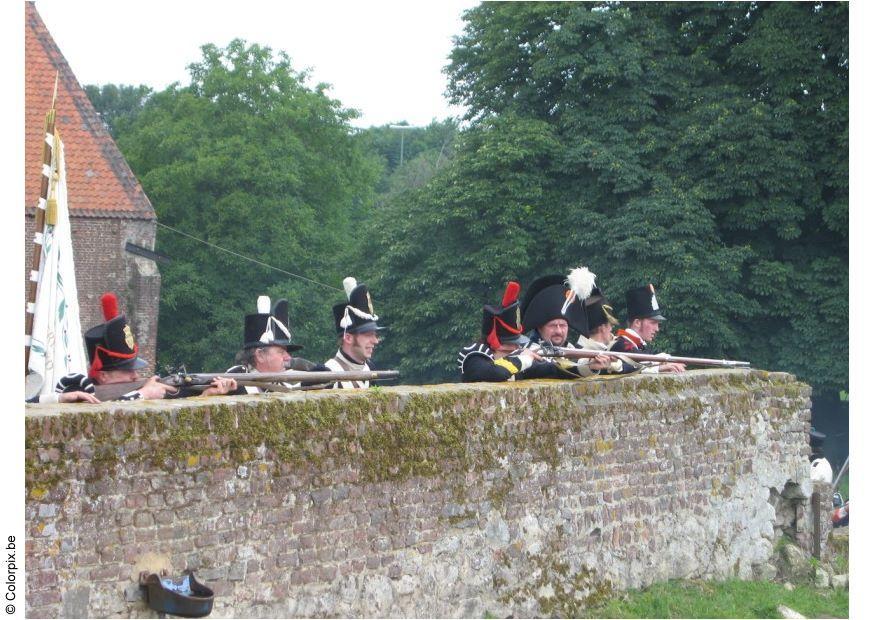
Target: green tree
(118, 104)
(250, 159)
(699, 146)
(426, 150)
(451, 245)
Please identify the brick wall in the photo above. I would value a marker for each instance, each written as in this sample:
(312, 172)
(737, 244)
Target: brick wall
(528, 499)
(103, 265)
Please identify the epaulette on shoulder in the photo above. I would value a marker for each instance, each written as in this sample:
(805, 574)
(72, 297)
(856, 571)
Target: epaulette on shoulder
(477, 348)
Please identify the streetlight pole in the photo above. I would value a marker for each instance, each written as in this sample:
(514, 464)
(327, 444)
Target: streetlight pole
(401, 162)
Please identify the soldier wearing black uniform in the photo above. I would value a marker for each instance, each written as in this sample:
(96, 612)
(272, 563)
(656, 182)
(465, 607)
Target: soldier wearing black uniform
(501, 354)
(552, 306)
(644, 316)
(113, 358)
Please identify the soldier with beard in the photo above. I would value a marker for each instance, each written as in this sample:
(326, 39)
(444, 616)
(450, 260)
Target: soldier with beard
(552, 306)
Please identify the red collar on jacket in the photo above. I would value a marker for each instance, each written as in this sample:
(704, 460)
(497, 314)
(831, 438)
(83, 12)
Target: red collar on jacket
(633, 337)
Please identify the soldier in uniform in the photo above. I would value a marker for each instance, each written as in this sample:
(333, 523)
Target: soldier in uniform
(644, 317)
(112, 353)
(501, 353)
(553, 304)
(356, 325)
(601, 324)
(267, 344)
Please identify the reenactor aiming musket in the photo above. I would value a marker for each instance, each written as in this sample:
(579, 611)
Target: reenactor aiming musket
(660, 358)
(286, 381)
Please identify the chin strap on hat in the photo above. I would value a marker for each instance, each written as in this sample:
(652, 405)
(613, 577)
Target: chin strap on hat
(492, 339)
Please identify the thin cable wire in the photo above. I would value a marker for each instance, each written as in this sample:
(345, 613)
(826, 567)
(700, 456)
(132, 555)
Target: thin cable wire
(257, 262)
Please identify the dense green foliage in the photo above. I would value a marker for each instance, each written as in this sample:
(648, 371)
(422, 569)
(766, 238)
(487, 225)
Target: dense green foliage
(723, 599)
(250, 159)
(699, 146)
(118, 105)
(702, 147)
(425, 150)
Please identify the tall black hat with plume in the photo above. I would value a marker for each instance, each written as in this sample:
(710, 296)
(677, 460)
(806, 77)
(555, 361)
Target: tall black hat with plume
(641, 304)
(356, 315)
(501, 323)
(111, 345)
(558, 297)
(266, 328)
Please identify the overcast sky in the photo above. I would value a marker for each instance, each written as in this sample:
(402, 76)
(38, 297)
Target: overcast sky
(383, 58)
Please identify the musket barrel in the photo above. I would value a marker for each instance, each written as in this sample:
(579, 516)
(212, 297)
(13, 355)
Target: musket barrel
(293, 376)
(644, 357)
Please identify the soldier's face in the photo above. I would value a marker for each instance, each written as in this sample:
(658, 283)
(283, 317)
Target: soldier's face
(360, 347)
(648, 329)
(555, 332)
(271, 359)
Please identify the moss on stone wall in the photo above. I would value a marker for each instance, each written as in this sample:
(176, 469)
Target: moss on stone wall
(386, 434)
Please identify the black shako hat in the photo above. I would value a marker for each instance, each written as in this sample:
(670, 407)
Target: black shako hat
(356, 315)
(266, 328)
(502, 323)
(641, 304)
(558, 297)
(111, 346)
(598, 312)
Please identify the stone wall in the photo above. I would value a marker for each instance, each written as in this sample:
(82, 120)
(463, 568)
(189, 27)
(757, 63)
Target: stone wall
(534, 498)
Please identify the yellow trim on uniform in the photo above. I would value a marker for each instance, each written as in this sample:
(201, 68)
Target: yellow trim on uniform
(507, 364)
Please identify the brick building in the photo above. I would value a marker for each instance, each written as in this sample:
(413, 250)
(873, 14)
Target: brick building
(108, 208)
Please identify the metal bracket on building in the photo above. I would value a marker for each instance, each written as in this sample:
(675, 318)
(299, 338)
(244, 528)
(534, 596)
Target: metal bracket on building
(157, 257)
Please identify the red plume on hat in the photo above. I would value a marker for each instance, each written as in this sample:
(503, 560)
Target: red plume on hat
(110, 306)
(511, 293)
(493, 316)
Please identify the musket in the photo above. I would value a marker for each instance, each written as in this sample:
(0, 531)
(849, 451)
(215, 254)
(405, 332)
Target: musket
(550, 351)
(270, 380)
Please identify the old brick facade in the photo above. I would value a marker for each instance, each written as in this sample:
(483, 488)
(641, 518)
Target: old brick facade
(108, 207)
(470, 500)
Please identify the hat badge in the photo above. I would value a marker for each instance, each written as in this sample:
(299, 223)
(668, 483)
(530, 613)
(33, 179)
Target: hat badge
(129, 336)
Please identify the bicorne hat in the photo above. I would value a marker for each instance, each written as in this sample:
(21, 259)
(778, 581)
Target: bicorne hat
(598, 312)
(641, 304)
(356, 315)
(557, 297)
(111, 346)
(501, 323)
(266, 328)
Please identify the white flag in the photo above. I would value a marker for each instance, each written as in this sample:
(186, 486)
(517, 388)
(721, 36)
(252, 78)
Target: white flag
(56, 345)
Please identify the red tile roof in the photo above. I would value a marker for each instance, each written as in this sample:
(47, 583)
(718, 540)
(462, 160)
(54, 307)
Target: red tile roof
(99, 181)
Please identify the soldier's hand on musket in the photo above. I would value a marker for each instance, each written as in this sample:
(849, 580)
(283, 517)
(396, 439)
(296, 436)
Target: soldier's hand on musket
(672, 367)
(155, 389)
(220, 385)
(600, 362)
(530, 353)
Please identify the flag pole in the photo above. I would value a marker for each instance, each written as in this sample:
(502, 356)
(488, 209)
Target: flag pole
(40, 222)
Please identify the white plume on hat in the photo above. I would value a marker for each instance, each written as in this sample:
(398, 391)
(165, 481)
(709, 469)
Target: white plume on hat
(349, 284)
(263, 304)
(581, 281)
